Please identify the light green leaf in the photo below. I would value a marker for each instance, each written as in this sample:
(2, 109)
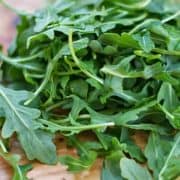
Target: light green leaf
(156, 153)
(20, 119)
(145, 41)
(170, 104)
(124, 40)
(171, 166)
(163, 156)
(133, 171)
(111, 169)
(86, 156)
(167, 96)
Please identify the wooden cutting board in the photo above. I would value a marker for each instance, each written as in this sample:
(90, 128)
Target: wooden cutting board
(40, 171)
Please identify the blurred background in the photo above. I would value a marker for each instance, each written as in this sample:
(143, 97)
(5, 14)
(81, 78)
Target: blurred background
(9, 19)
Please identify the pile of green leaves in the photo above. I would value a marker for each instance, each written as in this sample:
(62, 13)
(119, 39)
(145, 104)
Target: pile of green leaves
(111, 68)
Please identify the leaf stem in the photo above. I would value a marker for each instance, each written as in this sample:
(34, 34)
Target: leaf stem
(56, 105)
(142, 25)
(47, 77)
(18, 65)
(77, 61)
(68, 73)
(171, 17)
(3, 146)
(166, 52)
(58, 127)
(138, 5)
(26, 59)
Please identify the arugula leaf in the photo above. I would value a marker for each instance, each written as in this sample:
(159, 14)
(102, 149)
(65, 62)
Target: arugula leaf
(170, 103)
(168, 97)
(44, 18)
(171, 166)
(131, 170)
(145, 41)
(131, 148)
(163, 161)
(20, 119)
(125, 40)
(111, 169)
(161, 7)
(86, 157)
(77, 165)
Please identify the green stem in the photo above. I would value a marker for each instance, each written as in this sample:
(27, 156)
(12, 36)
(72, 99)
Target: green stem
(3, 146)
(166, 52)
(48, 74)
(49, 70)
(142, 25)
(56, 105)
(168, 114)
(65, 120)
(37, 76)
(18, 65)
(138, 5)
(58, 127)
(135, 19)
(78, 63)
(68, 73)
(26, 59)
(171, 17)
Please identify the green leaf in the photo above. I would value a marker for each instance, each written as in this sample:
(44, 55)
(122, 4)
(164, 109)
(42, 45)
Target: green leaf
(170, 104)
(124, 40)
(44, 18)
(145, 41)
(86, 157)
(156, 153)
(162, 7)
(133, 115)
(176, 115)
(163, 156)
(77, 165)
(78, 45)
(170, 168)
(111, 169)
(20, 119)
(132, 149)
(167, 96)
(124, 72)
(133, 171)
(74, 87)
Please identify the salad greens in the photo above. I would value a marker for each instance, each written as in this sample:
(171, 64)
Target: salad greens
(108, 68)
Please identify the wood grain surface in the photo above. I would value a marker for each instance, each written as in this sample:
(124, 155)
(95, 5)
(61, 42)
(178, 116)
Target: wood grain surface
(41, 171)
